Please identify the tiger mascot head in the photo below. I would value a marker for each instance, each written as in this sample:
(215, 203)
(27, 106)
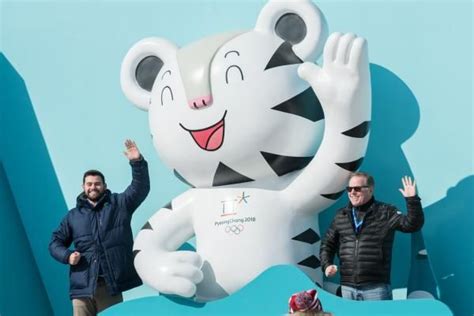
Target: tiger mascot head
(231, 108)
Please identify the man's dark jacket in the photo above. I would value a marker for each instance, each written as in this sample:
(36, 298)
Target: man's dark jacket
(102, 234)
(365, 257)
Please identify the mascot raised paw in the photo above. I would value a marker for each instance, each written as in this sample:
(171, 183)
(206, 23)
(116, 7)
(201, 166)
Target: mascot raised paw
(265, 138)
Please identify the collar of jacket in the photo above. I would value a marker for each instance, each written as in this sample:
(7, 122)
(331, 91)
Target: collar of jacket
(362, 208)
(83, 202)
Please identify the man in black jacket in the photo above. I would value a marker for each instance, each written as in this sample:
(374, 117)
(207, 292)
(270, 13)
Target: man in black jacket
(101, 264)
(362, 235)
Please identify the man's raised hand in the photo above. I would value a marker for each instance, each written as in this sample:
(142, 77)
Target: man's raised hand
(131, 150)
(409, 187)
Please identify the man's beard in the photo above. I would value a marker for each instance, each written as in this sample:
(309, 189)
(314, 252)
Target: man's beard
(95, 198)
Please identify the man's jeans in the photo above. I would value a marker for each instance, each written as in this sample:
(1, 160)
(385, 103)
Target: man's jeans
(373, 292)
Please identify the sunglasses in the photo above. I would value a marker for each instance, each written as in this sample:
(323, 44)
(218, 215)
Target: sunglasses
(357, 189)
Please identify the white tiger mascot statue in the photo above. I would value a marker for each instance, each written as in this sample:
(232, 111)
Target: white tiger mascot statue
(265, 138)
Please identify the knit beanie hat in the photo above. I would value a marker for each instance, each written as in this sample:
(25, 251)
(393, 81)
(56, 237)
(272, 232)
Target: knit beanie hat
(305, 301)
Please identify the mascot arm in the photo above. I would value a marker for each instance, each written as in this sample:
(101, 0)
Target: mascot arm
(158, 263)
(342, 85)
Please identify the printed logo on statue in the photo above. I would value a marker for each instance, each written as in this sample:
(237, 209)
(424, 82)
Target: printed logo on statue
(230, 219)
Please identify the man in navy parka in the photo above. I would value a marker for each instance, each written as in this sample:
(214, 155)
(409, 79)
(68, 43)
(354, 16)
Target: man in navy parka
(101, 264)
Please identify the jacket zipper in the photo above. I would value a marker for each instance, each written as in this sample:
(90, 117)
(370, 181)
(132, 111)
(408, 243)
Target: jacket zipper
(356, 253)
(356, 256)
(97, 253)
(111, 271)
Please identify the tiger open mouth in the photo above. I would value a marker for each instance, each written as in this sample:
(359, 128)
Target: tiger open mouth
(210, 138)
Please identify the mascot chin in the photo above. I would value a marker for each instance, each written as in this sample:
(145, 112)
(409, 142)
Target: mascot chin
(265, 138)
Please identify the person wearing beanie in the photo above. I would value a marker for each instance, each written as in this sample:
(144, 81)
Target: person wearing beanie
(305, 301)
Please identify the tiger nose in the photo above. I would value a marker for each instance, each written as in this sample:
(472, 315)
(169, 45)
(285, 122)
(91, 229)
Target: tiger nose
(200, 103)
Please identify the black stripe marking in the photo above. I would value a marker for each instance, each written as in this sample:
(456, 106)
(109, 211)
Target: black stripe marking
(308, 236)
(284, 55)
(352, 165)
(311, 262)
(285, 164)
(306, 104)
(180, 177)
(333, 196)
(168, 206)
(225, 175)
(360, 131)
(147, 226)
(135, 253)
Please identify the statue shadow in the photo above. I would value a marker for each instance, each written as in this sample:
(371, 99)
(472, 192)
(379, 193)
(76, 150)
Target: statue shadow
(448, 235)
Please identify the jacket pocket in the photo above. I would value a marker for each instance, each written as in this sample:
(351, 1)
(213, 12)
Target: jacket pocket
(121, 264)
(79, 274)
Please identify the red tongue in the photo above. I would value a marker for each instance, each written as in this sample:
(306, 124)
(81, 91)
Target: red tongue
(210, 138)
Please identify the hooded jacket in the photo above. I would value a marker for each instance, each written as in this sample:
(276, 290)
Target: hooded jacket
(103, 236)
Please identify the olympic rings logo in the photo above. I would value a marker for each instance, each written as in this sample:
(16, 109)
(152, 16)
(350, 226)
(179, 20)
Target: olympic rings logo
(236, 229)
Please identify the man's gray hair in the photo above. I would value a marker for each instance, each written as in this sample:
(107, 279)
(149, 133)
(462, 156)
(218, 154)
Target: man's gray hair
(368, 177)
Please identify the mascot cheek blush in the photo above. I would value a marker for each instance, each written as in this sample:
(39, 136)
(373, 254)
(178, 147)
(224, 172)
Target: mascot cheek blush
(265, 137)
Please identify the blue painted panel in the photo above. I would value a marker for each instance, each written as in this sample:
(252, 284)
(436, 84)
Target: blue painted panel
(33, 184)
(269, 294)
(19, 275)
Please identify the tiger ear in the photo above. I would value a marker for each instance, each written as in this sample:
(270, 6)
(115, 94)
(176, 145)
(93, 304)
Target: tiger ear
(299, 22)
(141, 66)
